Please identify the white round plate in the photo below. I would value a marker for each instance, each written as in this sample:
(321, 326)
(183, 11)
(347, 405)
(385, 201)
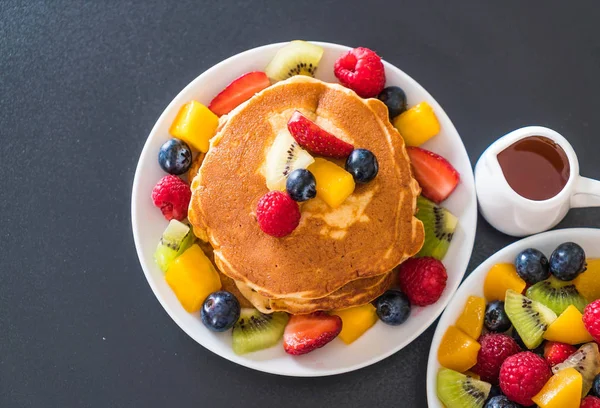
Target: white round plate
(588, 238)
(380, 341)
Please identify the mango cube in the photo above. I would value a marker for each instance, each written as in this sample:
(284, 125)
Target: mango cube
(418, 124)
(471, 319)
(588, 283)
(356, 321)
(563, 390)
(499, 279)
(192, 277)
(195, 124)
(568, 328)
(458, 351)
(334, 184)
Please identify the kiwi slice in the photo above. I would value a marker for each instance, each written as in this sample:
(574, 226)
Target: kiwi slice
(557, 295)
(256, 331)
(296, 58)
(174, 241)
(530, 318)
(457, 390)
(586, 360)
(284, 156)
(439, 226)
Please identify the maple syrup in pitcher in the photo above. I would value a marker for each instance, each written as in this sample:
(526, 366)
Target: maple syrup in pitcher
(535, 167)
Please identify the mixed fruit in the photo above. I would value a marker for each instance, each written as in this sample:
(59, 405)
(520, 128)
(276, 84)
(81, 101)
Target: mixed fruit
(298, 168)
(532, 338)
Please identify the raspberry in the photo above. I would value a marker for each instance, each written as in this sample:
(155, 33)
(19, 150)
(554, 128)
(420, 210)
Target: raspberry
(555, 353)
(591, 319)
(172, 195)
(590, 402)
(277, 214)
(495, 348)
(362, 71)
(423, 280)
(522, 376)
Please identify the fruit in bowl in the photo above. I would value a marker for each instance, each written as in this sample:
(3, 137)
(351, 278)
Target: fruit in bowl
(300, 178)
(537, 344)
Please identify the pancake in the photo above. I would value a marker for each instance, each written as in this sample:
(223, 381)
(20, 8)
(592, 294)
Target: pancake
(355, 293)
(372, 232)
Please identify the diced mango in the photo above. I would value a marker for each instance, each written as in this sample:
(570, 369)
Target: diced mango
(568, 328)
(334, 184)
(471, 319)
(195, 124)
(192, 277)
(499, 279)
(457, 351)
(588, 283)
(418, 124)
(563, 390)
(356, 321)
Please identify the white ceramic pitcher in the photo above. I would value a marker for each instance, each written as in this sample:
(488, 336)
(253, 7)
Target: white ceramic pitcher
(516, 215)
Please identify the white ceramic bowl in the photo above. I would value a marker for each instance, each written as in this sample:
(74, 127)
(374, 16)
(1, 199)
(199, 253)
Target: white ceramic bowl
(588, 238)
(379, 342)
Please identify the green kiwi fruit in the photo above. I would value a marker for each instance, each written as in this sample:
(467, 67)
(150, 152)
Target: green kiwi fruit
(457, 390)
(284, 156)
(586, 360)
(557, 295)
(529, 318)
(439, 226)
(296, 58)
(256, 331)
(174, 241)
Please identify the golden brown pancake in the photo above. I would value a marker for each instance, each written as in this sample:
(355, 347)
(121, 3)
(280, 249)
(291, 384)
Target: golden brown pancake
(355, 293)
(373, 231)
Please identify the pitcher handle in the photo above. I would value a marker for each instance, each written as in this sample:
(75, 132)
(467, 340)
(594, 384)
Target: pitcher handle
(587, 193)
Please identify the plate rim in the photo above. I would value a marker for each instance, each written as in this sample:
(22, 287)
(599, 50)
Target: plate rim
(251, 363)
(529, 241)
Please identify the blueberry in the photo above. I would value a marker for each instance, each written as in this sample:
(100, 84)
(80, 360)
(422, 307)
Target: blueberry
(301, 185)
(395, 100)
(532, 266)
(175, 157)
(501, 401)
(362, 164)
(220, 311)
(393, 307)
(496, 319)
(596, 386)
(494, 391)
(567, 261)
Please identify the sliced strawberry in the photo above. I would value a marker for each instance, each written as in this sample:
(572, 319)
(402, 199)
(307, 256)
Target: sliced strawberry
(437, 177)
(316, 140)
(240, 90)
(305, 333)
(555, 353)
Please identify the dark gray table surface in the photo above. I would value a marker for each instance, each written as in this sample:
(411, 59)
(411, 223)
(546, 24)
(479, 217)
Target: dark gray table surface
(81, 85)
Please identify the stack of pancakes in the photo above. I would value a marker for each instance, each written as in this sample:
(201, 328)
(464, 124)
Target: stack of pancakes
(336, 258)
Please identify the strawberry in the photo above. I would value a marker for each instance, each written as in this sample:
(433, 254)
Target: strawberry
(555, 353)
(305, 333)
(240, 90)
(316, 140)
(437, 177)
